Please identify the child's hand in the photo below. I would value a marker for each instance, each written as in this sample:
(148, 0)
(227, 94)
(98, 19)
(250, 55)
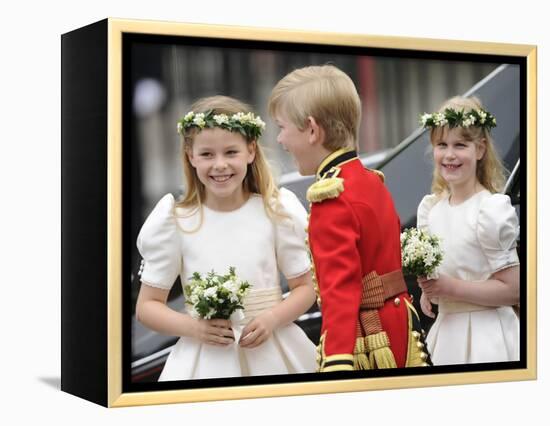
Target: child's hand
(215, 332)
(442, 286)
(426, 306)
(258, 330)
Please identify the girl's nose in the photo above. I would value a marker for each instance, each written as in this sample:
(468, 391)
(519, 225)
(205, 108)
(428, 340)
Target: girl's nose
(220, 163)
(449, 153)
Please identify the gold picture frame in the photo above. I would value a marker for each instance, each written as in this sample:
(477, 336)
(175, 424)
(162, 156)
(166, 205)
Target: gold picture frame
(99, 49)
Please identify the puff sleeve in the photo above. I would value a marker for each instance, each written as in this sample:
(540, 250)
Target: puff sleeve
(159, 247)
(424, 209)
(290, 236)
(497, 231)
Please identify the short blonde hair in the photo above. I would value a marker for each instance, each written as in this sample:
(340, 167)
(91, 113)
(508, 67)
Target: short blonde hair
(258, 179)
(489, 170)
(325, 93)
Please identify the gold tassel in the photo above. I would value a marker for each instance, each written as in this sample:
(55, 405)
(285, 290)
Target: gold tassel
(380, 354)
(325, 189)
(360, 359)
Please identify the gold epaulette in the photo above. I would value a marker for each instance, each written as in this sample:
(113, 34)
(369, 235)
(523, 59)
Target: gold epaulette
(329, 186)
(325, 189)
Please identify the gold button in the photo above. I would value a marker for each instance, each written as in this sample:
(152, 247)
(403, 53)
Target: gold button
(425, 364)
(419, 345)
(416, 334)
(397, 301)
(424, 356)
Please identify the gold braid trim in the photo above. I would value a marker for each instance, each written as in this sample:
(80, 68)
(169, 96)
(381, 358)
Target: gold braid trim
(325, 189)
(338, 367)
(380, 354)
(338, 357)
(372, 296)
(320, 352)
(416, 357)
(337, 362)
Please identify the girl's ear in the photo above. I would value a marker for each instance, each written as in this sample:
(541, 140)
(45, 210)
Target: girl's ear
(251, 152)
(316, 134)
(189, 153)
(481, 147)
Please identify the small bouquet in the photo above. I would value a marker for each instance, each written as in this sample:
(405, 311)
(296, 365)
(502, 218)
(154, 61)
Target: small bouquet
(421, 253)
(215, 296)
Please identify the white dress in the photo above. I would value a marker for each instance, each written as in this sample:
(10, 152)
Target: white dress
(478, 239)
(258, 248)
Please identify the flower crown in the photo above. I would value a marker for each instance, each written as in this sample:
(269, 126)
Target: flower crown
(458, 118)
(248, 125)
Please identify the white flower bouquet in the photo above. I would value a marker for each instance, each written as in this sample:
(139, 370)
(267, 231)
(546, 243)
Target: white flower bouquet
(421, 253)
(215, 296)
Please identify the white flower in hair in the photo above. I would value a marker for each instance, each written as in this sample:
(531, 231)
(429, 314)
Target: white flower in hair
(251, 118)
(439, 119)
(221, 119)
(470, 121)
(239, 116)
(199, 120)
(247, 124)
(425, 117)
(482, 116)
(259, 122)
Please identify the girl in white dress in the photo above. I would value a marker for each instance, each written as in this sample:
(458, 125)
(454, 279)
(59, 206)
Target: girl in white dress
(231, 215)
(478, 280)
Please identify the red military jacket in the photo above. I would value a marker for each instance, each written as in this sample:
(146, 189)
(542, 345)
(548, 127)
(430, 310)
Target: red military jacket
(353, 231)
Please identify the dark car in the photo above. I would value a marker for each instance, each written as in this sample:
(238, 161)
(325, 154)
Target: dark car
(408, 171)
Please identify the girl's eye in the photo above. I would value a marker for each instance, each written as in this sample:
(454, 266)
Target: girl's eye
(232, 152)
(442, 144)
(205, 154)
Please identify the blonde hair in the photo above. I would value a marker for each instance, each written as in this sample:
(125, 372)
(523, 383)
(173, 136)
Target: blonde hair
(258, 179)
(325, 93)
(490, 171)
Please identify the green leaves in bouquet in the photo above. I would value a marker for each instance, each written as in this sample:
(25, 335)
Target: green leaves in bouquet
(216, 296)
(421, 252)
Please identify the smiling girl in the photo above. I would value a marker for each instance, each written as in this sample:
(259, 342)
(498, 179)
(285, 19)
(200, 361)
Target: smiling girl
(479, 278)
(232, 214)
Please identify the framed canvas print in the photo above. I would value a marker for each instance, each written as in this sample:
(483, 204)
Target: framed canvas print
(189, 168)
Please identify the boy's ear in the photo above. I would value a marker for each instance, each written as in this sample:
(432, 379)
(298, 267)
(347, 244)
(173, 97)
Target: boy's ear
(316, 133)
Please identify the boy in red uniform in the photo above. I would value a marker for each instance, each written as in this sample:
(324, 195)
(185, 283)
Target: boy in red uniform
(368, 318)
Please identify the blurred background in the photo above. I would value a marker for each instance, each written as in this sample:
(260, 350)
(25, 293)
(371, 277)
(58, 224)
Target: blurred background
(165, 79)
